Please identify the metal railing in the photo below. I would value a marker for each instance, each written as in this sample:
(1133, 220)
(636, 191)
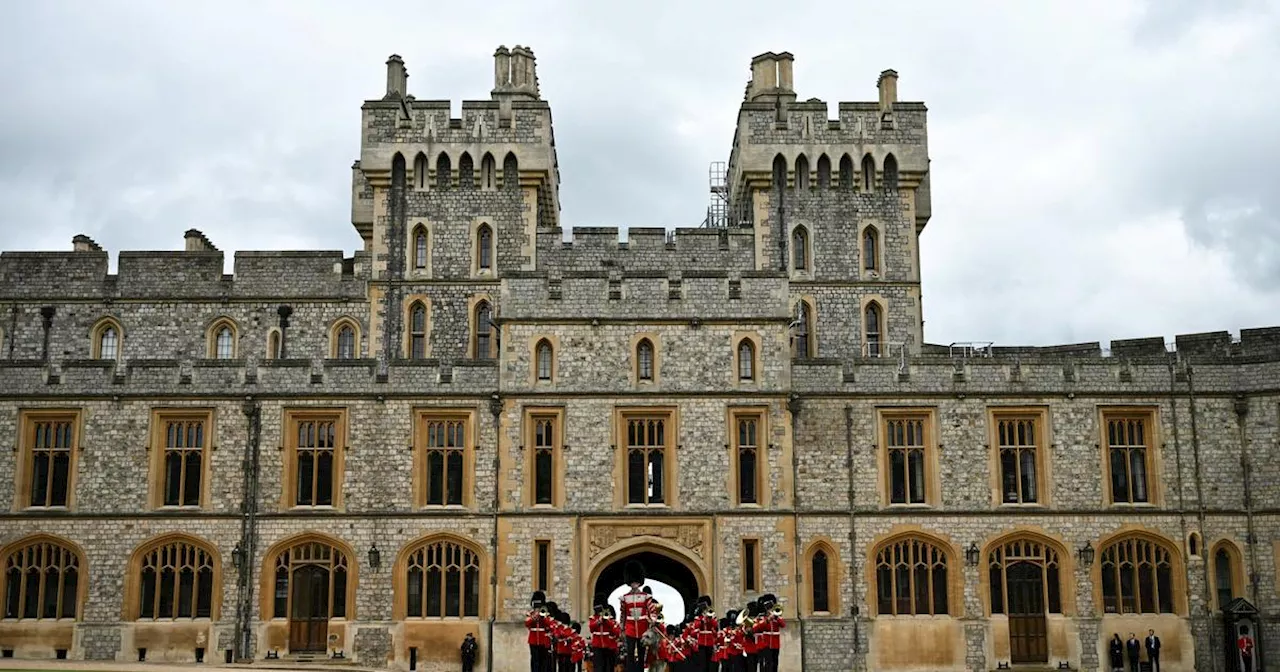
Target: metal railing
(971, 349)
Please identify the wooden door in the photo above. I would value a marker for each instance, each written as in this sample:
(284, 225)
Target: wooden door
(1028, 640)
(309, 617)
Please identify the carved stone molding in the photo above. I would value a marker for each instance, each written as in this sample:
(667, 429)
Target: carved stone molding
(689, 535)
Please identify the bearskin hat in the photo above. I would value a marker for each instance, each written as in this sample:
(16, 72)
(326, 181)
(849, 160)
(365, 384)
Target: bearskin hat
(753, 609)
(577, 627)
(647, 590)
(731, 616)
(552, 609)
(600, 602)
(539, 599)
(704, 601)
(672, 631)
(563, 618)
(724, 622)
(633, 572)
(767, 600)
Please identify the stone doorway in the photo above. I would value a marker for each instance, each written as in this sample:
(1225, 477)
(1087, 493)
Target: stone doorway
(659, 566)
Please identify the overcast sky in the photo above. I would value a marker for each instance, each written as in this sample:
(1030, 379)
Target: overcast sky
(1100, 169)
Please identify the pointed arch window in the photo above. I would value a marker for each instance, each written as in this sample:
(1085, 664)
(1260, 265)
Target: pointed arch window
(510, 172)
(544, 357)
(222, 339)
(273, 344)
(846, 173)
(746, 360)
(176, 581)
(1137, 577)
(1025, 578)
(800, 249)
(801, 332)
(870, 249)
(484, 247)
(874, 334)
(346, 341)
(802, 172)
(420, 171)
(417, 331)
(106, 340)
(312, 581)
(1225, 574)
(748, 430)
(779, 172)
(42, 580)
(912, 578)
(488, 168)
(868, 173)
(824, 172)
(483, 344)
(819, 582)
(644, 359)
(890, 172)
(466, 172)
(420, 248)
(444, 171)
(546, 442)
(442, 580)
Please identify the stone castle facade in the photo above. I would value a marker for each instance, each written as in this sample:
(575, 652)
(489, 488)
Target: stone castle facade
(367, 457)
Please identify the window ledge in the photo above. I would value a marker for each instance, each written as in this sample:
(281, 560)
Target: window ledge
(924, 506)
(179, 507)
(1134, 505)
(1023, 505)
(47, 509)
(648, 506)
(447, 507)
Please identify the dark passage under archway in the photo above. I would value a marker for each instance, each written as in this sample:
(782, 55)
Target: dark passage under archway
(657, 567)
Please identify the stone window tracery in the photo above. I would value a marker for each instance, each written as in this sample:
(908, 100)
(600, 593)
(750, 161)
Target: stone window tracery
(1137, 576)
(1018, 561)
(107, 339)
(176, 581)
(746, 360)
(417, 331)
(1129, 445)
(443, 581)
(873, 326)
(324, 572)
(315, 457)
(644, 360)
(648, 441)
(483, 345)
(50, 445)
(911, 578)
(444, 451)
(42, 581)
(222, 339)
(544, 359)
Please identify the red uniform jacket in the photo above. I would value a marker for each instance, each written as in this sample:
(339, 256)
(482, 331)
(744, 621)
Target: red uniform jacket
(750, 643)
(635, 613)
(707, 626)
(564, 639)
(599, 632)
(579, 649)
(769, 632)
(615, 634)
(537, 626)
(734, 644)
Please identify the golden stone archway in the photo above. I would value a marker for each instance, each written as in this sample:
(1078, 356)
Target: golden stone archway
(680, 544)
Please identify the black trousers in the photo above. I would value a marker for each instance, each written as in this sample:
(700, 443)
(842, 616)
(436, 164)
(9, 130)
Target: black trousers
(468, 665)
(604, 659)
(769, 660)
(538, 659)
(1133, 663)
(705, 663)
(1154, 657)
(635, 655)
(752, 663)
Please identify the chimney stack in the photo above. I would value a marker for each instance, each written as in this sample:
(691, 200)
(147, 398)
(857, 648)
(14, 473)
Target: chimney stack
(83, 243)
(197, 242)
(764, 74)
(397, 77)
(515, 74)
(501, 69)
(785, 60)
(888, 85)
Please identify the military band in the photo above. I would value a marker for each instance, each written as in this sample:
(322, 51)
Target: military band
(747, 640)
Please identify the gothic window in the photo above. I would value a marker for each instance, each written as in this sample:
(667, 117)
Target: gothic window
(1137, 577)
(746, 360)
(443, 581)
(484, 247)
(222, 339)
(1025, 578)
(870, 249)
(802, 332)
(890, 172)
(819, 582)
(907, 445)
(49, 446)
(824, 172)
(846, 173)
(647, 442)
(106, 339)
(750, 565)
(417, 331)
(510, 172)
(644, 360)
(420, 248)
(911, 578)
(346, 342)
(488, 181)
(315, 457)
(1019, 443)
(546, 444)
(747, 434)
(544, 357)
(444, 442)
(42, 581)
(779, 172)
(180, 456)
(420, 171)
(1224, 574)
(444, 171)
(483, 343)
(1193, 544)
(802, 172)
(874, 337)
(799, 249)
(176, 580)
(868, 173)
(312, 580)
(273, 344)
(1128, 454)
(466, 172)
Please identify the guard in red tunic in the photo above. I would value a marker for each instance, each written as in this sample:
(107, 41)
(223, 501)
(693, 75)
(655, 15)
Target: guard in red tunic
(750, 640)
(770, 625)
(536, 622)
(705, 622)
(615, 637)
(578, 648)
(734, 645)
(564, 643)
(635, 615)
(601, 626)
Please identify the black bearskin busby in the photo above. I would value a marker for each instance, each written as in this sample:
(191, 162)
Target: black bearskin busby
(599, 603)
(552, 610)
(648, 590)
(754, 610)
(672, 631)
(724, 622)
(539, 599)
(731, 616)
(633, 573)
(703, 601)
(767, 601)
(564, 618)
(577, 627)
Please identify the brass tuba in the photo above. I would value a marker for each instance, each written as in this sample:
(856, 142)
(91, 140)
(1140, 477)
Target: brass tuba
(744, 621)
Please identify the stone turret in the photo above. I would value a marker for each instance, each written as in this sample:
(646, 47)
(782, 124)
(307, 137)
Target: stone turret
(397, 78)
(888, 85)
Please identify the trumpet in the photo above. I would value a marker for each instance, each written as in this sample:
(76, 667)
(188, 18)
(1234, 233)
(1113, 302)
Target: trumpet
(777, 610)
(542, 611)
(709, 612)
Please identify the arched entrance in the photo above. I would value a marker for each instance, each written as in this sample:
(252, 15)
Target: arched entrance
(660, 565)
(309, 580)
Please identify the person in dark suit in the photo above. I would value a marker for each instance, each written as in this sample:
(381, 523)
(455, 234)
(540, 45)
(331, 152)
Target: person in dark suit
(1117, 652)
(1134, 648)
(1153, 650)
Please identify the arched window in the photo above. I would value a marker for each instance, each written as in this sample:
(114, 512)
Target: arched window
(510, 172)
(397, 172)
(222, 339)
(484, 247)
(819, 580)
(346, 340)
(779, 172)
(890, 172)
(846, 172)
(273, 344)
(311, 582)
(420, 247)
(1025, 578)
(417, 331)
(1225, 574)
(870, 249)
(824, 172)
(801, 332)
(802, 172)
(42, 580)
(176, 579)
(444, 171)
(1137, 576)
(106, 339)
(488, 168)
(746, 360)
(442, 580)
(799, 249)
(483, 345)
(868, 173)
(644, 359)
(1193, 544)
(911, 578)
(420, 171)
(873, 328)
(466, 172)
(544, 359)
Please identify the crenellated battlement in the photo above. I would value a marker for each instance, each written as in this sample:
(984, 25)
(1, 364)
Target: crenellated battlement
(653, 248)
